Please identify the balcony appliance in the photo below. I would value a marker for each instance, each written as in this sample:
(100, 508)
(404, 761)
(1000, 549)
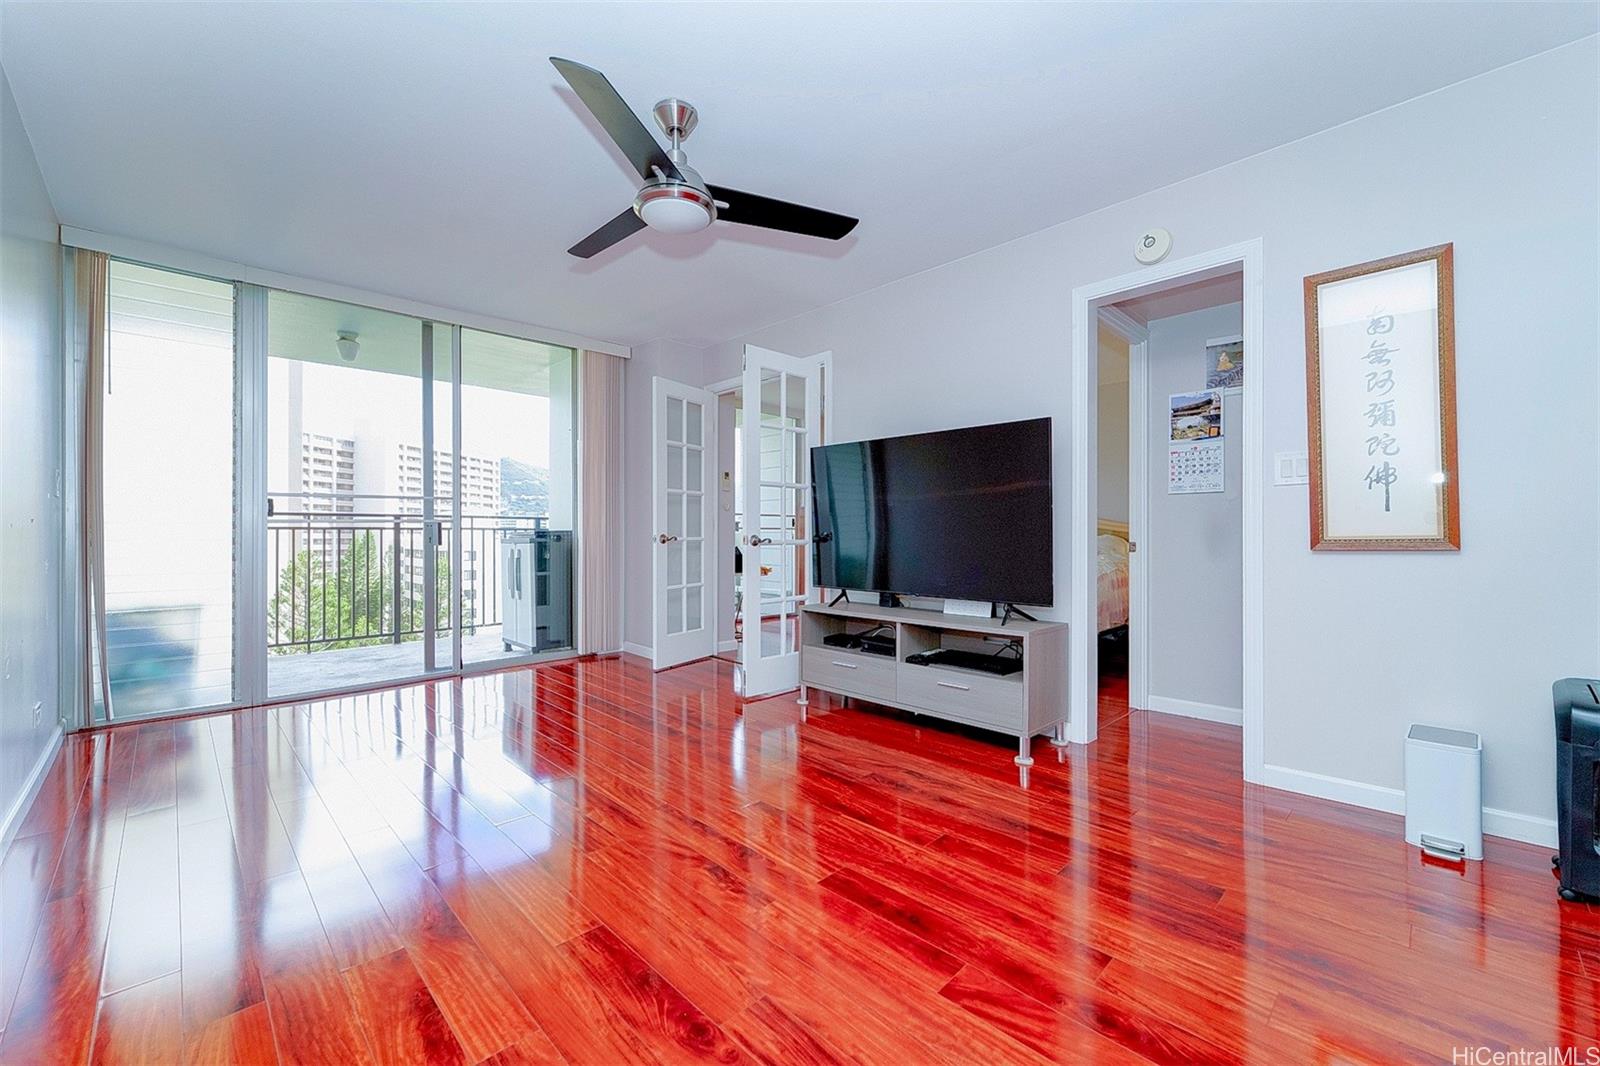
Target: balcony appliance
(536, 589)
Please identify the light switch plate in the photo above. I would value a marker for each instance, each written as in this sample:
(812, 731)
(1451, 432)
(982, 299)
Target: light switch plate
(1291, 468)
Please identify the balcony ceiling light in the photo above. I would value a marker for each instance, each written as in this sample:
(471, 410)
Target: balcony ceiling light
(349, 345)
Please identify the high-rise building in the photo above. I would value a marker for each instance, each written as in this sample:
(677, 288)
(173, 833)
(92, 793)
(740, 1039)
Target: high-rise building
(328, 479)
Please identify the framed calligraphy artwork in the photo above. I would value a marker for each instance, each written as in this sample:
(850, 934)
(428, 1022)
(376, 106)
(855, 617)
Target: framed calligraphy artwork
(1381, 405)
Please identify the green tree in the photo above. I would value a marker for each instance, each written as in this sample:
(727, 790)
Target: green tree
(350, 604)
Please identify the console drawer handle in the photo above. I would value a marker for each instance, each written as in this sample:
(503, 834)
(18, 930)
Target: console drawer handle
(952, 684)
(847, 666)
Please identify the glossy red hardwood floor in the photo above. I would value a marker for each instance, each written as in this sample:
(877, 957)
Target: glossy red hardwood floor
(589, 863)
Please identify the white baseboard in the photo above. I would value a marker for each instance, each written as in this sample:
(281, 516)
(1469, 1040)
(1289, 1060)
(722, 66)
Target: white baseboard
(644, 651)
(727, 645)
(1209, 712)
(1338, 789)
(1508, 825)
(30, 789)
(1524, 827)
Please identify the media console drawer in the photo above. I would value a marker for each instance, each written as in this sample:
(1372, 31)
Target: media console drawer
(852, 672)
(983, 699)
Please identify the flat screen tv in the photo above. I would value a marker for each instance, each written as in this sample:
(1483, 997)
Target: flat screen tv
(960, 514)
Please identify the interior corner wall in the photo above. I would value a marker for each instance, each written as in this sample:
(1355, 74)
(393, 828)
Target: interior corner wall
(1357, 644)
(31, 426)
(1195, 541)
(679, 362)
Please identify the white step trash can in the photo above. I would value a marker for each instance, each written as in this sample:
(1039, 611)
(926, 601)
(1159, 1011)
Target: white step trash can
(1444, 791)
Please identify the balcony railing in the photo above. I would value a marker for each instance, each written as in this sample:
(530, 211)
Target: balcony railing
(347, 579)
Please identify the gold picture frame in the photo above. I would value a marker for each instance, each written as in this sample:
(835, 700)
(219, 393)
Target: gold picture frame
(1381, 405)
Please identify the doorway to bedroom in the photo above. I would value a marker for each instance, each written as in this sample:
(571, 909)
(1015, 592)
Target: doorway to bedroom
(1169, 574)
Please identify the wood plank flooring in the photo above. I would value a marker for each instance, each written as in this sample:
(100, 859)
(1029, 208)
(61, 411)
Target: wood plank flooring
(590, 863)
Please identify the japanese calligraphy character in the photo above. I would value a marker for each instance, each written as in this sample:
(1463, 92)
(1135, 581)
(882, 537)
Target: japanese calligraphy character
(1378, 354)
(1383, 442)
(1380, 381)
(1380, 324)
(1384, 475)
(1380, 413)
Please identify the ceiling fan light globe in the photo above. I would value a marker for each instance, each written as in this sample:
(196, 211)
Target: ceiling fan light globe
(675, 209)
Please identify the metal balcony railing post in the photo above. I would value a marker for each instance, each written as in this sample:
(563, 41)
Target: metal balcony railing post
(396, 579)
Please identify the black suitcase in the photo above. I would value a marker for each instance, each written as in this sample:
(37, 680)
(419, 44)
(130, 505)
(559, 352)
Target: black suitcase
(1577, 703)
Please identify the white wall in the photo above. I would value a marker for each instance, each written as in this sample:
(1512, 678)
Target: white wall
(1195, 565)
(30, 460)
(1111, 428)
(1359, 644)
(679, 362)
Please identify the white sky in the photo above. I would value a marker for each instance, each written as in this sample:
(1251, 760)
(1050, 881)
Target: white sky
(494, 424)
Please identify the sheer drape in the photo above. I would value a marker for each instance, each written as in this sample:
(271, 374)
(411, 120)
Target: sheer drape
(600, 507)
(90, 271)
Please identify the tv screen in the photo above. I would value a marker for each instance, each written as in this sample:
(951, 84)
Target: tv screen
(961, 514)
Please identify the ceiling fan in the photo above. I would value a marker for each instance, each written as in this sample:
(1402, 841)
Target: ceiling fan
(675, 199)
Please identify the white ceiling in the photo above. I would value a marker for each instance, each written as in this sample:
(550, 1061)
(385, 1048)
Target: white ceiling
(429, 151)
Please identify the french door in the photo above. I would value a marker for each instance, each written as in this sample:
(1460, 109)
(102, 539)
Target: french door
(782, 404)
(683, 574)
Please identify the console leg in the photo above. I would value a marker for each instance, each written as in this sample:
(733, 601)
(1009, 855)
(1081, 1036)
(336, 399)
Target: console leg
(1058, 740)
(804, 701)
(1023, 760)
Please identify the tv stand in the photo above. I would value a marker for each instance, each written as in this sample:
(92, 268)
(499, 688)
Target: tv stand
(1009, 609)
(890, 599)
(1024, 704)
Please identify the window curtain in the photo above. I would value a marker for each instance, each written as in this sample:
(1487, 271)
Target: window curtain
(90, 271)
(600, 507)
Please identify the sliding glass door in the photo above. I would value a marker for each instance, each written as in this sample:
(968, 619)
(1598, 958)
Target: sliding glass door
(304, 496)
(518, 505)
(358, 576)
(168, 475)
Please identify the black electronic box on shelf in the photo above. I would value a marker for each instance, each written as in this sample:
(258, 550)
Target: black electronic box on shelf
(988, 662)
(873, 641)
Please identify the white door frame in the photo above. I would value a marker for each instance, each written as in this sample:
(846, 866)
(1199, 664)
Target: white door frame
(1138, 339)
(660, 389)
(1083, 711)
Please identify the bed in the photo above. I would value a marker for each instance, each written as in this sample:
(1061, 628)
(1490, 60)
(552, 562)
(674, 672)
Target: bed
(1112, 599)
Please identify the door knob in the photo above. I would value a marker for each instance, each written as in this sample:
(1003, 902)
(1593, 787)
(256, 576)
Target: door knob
(758, 541)
(662, 538)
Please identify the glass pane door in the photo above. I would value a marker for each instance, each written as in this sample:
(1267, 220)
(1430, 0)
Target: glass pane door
(168, 475)
(357, 569)
(782, 401)
(518, 497)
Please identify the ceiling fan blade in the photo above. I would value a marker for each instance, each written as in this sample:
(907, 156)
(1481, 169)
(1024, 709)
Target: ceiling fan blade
(752, 210)
(612, 112)
(624, 225)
